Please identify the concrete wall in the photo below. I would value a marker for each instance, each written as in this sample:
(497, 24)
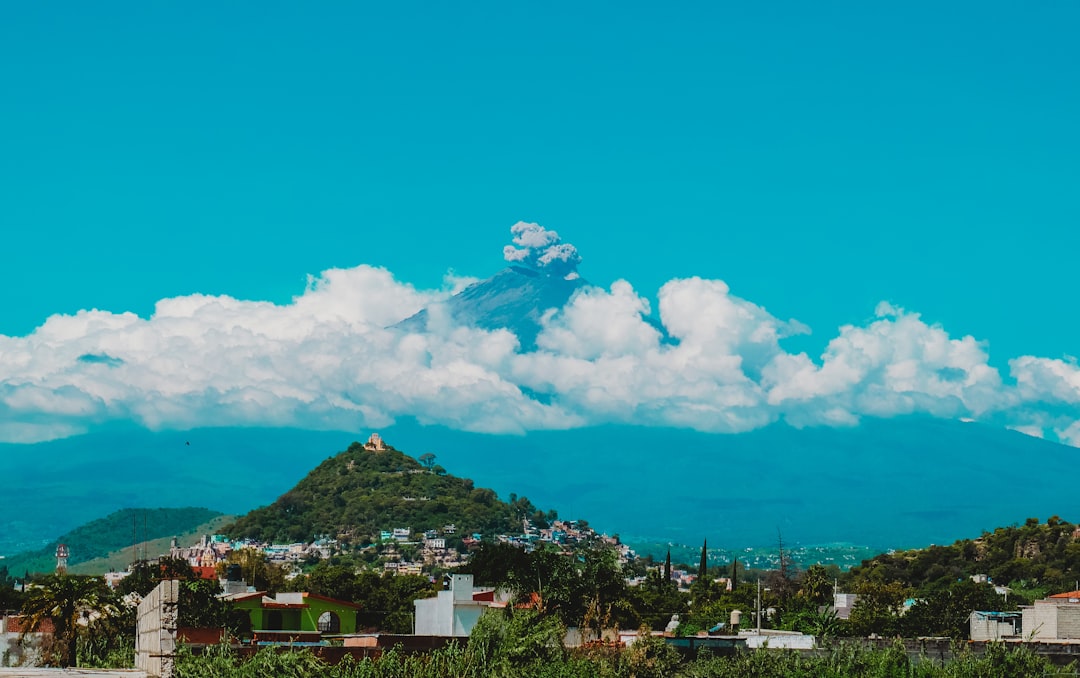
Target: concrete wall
(155, 639)
(18, 651)
(778, 642)
(988, 628)
(1051, 620)
(450, 613)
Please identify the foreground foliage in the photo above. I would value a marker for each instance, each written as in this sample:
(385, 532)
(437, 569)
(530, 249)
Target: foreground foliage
(648, 659)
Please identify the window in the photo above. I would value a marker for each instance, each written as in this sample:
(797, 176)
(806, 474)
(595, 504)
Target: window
(329, 622)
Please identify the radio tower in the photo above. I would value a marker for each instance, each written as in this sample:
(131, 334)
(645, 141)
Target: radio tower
(61, 558)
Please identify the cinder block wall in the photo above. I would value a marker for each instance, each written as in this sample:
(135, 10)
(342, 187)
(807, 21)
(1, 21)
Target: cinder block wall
(155, 639)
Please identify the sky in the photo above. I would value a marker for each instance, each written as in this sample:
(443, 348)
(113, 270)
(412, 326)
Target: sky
(904, 176)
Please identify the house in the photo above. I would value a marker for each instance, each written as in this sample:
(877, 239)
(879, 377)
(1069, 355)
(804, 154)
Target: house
(455, 611)
(1053, 618)
(294, 616)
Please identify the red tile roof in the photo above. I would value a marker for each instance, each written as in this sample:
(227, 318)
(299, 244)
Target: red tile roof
(1070, 594)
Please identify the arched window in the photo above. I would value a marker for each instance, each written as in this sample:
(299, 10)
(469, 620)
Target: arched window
(329, 622)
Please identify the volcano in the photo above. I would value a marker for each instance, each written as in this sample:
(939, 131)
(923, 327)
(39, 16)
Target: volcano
(515, 299)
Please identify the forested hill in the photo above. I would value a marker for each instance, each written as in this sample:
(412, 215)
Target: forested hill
(116, 531)
(360, 492)
(1038, 555)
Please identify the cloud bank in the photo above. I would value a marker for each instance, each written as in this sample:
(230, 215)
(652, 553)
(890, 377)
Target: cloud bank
(326, 360)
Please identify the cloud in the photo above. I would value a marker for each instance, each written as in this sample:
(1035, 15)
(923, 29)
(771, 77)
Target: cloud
(706, 359)
(897, 364)
(543, 250)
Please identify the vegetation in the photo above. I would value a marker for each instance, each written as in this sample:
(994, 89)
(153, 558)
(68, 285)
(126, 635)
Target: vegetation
(99, 538)
(525, 645)
(1033, 560)
(357, 493)
(65, 601)
(588, 589)
(199, 605)
(1041, 557)
(10, 599)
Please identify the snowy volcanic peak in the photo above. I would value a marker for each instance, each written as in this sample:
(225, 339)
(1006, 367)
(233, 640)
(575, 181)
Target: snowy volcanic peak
(542, 275)
(515, 299)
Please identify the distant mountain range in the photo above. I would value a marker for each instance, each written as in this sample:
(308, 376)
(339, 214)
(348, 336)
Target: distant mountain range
(886, 484)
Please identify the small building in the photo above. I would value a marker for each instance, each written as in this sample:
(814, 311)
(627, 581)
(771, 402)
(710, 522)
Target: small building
(1053, 618)
(843, 604)
(994, 626)
(453, 612)
(307, 614)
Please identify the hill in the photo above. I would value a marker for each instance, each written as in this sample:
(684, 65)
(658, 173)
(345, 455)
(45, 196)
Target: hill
(1042, 556)
(360, 492)
(115, 532)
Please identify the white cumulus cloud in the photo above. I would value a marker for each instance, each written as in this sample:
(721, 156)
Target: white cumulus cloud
(706, 359)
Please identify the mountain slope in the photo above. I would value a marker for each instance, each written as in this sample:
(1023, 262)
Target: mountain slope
(886, 483)
(115, 532)
(61, 484)
(120, 559)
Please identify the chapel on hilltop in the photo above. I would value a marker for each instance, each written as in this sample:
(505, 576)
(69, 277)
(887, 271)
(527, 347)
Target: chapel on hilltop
(375, 443)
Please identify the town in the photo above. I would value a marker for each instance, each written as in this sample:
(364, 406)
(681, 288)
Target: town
(362, 590)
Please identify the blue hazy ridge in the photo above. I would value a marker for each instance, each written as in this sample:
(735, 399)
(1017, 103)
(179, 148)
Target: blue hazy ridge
(886, 483)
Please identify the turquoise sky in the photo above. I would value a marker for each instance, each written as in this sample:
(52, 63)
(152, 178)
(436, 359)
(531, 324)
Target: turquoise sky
(818, 157)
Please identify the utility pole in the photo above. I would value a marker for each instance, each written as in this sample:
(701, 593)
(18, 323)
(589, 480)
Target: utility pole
(759, 606)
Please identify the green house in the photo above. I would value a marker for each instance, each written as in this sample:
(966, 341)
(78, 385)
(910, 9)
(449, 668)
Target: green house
(306, 613)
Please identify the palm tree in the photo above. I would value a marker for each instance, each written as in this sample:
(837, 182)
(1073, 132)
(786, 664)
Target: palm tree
(70, 602)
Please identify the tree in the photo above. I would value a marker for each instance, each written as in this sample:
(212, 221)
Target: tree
(656, 599)
(10, 599)
(702, 584)
(428, 460)
(946, 612)
(256, 569)
(147, 574)
(510, 641)
(816, 587)
(70, 602)
(877, 608)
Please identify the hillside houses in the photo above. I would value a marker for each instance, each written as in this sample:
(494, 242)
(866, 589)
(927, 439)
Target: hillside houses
(401, 550)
